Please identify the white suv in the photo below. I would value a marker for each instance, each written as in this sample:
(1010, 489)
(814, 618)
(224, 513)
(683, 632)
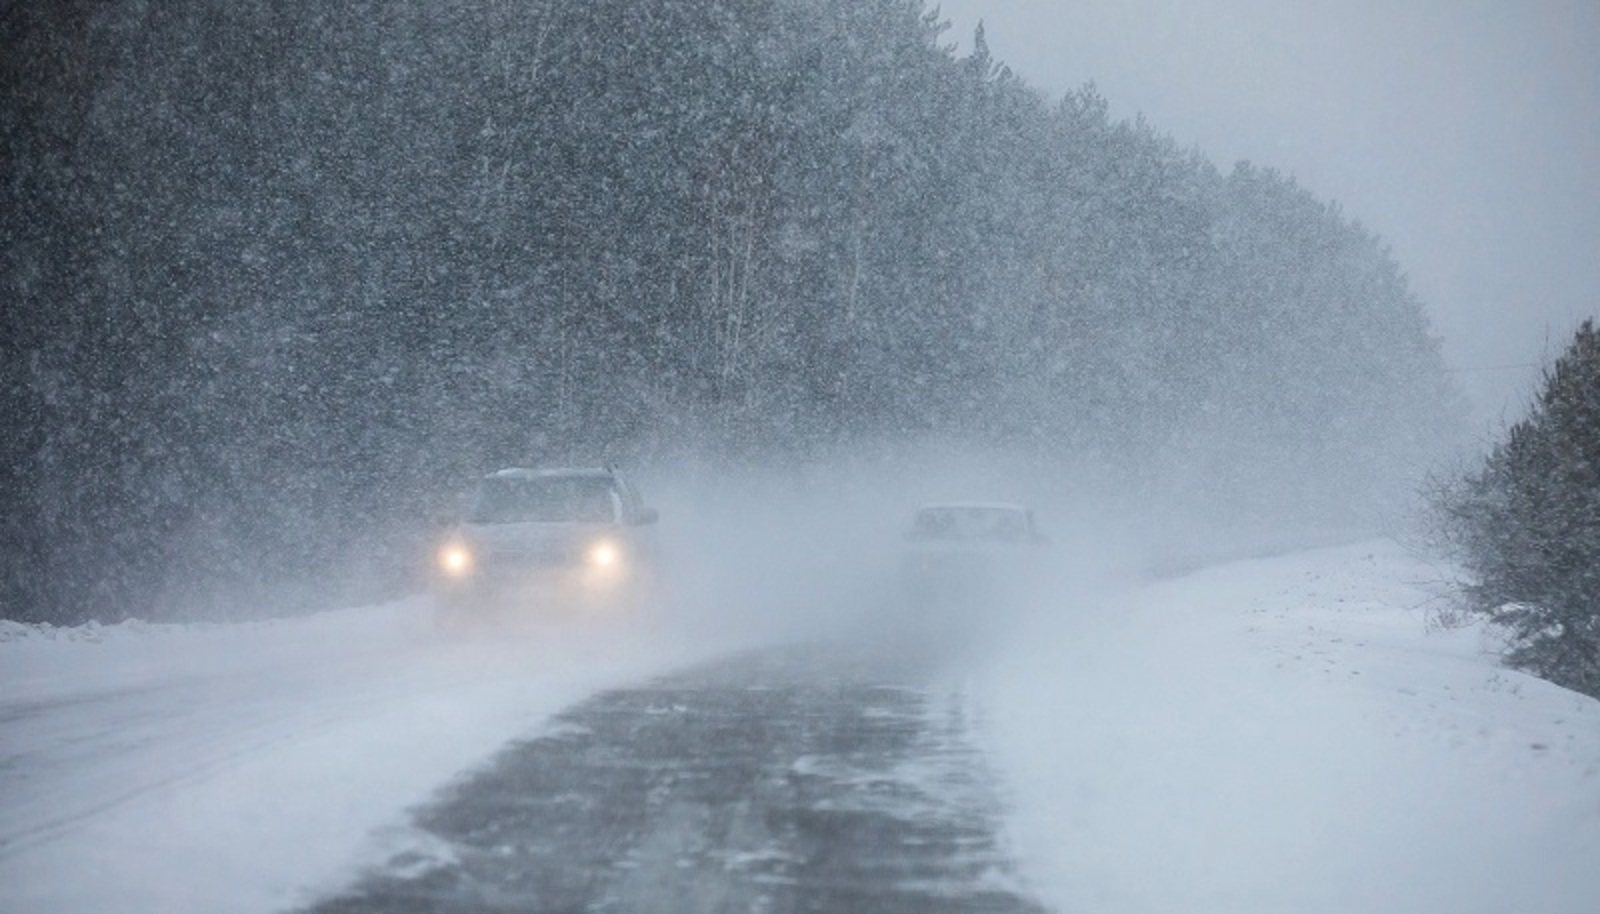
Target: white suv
(548, 539)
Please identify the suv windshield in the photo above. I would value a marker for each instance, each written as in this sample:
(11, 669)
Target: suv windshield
(553, 499)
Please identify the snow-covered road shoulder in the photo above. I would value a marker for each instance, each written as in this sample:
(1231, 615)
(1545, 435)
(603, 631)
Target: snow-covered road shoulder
(1291, 734)
(243, 767)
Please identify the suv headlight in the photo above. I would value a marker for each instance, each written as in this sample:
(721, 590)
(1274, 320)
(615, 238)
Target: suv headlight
(455, 560)
(603, 554)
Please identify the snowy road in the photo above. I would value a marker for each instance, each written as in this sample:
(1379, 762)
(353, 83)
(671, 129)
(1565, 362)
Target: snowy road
(1287, 734)
(239, 767)
(85, 754)
(815, 779)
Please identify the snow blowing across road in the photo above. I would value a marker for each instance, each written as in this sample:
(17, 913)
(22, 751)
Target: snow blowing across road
(1281, 735)
(249, 767)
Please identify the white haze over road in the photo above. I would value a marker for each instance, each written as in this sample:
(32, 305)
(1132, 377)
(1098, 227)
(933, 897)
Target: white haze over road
(1467, 135)
(1285, 734)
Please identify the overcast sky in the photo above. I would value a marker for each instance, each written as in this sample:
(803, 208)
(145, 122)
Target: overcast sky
(1465, 132)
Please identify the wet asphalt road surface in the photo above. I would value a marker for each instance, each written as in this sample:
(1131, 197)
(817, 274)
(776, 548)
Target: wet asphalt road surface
(808, 779)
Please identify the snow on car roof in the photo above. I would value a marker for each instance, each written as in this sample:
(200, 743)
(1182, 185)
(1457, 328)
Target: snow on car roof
(971, 505)
(533, 473)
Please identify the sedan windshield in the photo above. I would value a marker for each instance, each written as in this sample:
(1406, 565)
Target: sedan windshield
(961, 522)
(557, 499)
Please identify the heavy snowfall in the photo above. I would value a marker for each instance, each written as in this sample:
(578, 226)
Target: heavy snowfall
(728, 455)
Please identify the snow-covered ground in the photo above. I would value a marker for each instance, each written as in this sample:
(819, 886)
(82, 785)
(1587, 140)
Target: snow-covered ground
(1289, 735)
(1286, 734)
(243, 768)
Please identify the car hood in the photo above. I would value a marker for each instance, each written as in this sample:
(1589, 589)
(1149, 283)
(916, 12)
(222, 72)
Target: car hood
(530, 537)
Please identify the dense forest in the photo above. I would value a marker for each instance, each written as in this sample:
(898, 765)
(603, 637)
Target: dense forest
(277, 273)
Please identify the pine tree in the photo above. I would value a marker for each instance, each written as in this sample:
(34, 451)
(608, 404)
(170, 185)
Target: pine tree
(1527, 525)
